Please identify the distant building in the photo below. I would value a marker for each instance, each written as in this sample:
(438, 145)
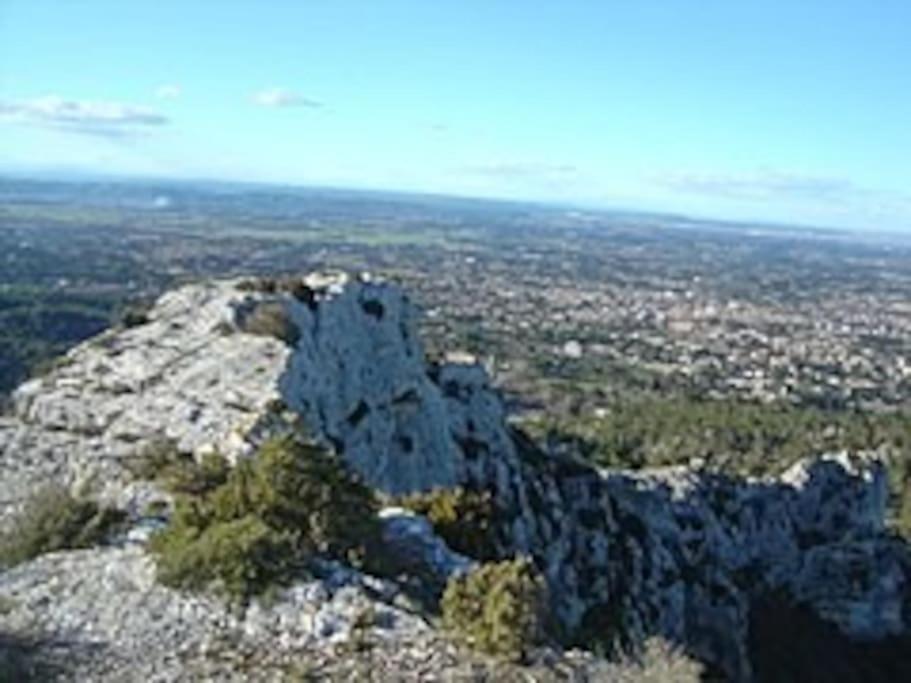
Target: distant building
(572, 349)
(461, 358)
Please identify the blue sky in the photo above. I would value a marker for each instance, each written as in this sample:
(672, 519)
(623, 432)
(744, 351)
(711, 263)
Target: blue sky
(790, 111)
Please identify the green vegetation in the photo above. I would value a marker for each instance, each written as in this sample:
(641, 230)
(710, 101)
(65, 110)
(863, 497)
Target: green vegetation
(259, 524)
(271, 319)
(289, 284)
(179, 472)
(729, 435)
(134, 315)
(54, 519)
(500, 608)
(39, 324)
(735, 437)
(462, 518)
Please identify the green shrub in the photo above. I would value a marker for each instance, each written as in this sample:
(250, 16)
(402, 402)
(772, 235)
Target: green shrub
(463, 518)
(134, 315)
(271, 319)
(54, 519)
(179, 472)
(729, 435)
(295, 286)
(500, 608)
(210, 472)
(264, 520)
(230, 556)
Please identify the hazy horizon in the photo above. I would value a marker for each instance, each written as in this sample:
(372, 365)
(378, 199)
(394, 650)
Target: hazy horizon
(74, 176)
(750, 112)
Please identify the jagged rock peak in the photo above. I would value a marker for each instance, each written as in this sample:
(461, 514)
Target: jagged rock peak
(354, 372)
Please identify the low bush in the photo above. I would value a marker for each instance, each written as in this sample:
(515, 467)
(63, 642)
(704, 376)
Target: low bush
(295, 286)
(134, 316)
(271, 319)
(236, 556)
(499, 608)
(260, 524)
(463, 518)
(179, 472)
(54, 519)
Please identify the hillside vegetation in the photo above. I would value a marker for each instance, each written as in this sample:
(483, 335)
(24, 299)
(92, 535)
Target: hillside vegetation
(732, 436)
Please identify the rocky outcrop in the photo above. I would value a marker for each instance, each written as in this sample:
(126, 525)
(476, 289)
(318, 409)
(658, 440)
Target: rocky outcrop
(718, 545)
(674, 552)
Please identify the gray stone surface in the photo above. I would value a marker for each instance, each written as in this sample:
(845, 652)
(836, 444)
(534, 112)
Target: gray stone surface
(411, 539)
(110, 620)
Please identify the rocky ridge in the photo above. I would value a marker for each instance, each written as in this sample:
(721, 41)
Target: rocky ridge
(675, 552)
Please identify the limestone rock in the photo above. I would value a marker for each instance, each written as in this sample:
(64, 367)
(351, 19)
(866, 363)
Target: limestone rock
(110, 620)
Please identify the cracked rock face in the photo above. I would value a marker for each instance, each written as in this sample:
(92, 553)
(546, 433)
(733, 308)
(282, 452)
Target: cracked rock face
(359, 379)
(672, 552)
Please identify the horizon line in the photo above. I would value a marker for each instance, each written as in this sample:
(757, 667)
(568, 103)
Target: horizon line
(77, 175)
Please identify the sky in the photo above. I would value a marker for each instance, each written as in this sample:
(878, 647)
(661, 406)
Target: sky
(768, 110)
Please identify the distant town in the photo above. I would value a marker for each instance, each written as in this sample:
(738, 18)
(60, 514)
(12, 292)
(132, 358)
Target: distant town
(569, 309)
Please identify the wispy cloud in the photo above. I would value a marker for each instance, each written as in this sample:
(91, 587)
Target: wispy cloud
(762, 185)
(827, 196)
(168, 91)
(521, 169)
(281, 97)
(105, 119)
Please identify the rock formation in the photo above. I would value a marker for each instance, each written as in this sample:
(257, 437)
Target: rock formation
(674, 552)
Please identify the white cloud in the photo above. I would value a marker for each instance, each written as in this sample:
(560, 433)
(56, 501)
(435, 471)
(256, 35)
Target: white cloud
(521, 169)
(281, 97)
(168, 91)
(761, 185)
(824, 197)
(107, 119)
